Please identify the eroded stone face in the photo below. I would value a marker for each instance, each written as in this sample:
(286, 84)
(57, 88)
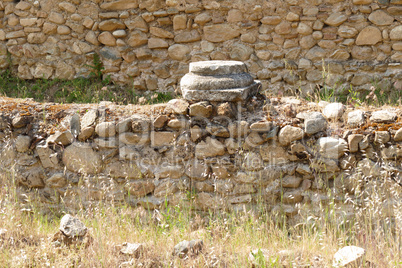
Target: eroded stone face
(218, 81)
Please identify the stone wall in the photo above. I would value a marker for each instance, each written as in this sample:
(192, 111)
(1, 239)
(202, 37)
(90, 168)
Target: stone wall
(287, 44)
(283, 155)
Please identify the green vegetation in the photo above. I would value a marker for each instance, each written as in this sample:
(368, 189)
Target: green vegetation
(79, 90)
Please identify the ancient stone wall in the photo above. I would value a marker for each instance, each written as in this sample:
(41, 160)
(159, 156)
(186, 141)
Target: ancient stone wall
(287, 44)
(282, 154)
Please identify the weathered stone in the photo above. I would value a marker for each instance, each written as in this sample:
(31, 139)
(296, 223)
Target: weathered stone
(47, 156)
(271, 20)
(283, 28)
(177, 106)
(20, 121)
(336, 19)
(154, 43)
(179, 52)
(362, 53)
(166, 188)
(120, 5)
(291, 181)
(22, 143)
(382, 137)
(107, 39)
(81, 158)
(159, 32)
(334, 111)
(383, 116)
(132, 249)
(332, 147)
(396, 33)
(137, 38)
(67, 7)
(162, 138)
(369, 36)
(220, 32)
(218, 67)
(120, 169)
(349, 256)
(139, 188)
(63, 138)
(292, 197)
(347, 31)
(356, 118)
(106, 129)
(42, 71)
(72, 227)
(187, 37)
(185, 248)
(354, 141)
(240, 52)
(200, 109)
(57, 180)
(56, 18)
(197, 170)
(289, 134)
(398, 135)
(274, 154)
(209, 83)
(130, 138)
(314, 122)
(209, 148)
(380, 18)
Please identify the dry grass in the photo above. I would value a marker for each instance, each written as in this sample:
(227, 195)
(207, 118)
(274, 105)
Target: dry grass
(228, 237)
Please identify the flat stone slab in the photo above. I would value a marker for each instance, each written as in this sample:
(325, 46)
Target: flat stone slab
(234, 94)
(218, 67)
(200, 82)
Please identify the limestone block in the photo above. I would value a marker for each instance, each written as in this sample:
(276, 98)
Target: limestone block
(332, 147)
(396, 33)
(56, 18)
(383, 116)
(289, 134)
(137, 38)
(111, 25)
(336, 19)
(187, 37)
(66, 6)
(209, 148)
(369, 36)
(380, 18)
(220, 32)
(57, 180)
(81, 158)
(120, 5)
(203, 18)
(106, 129)
(162, 138)
(271, 20)
(22, 143)
(139, 188)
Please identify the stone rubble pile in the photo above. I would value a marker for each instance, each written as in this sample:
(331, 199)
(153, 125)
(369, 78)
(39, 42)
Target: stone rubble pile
(230, 156)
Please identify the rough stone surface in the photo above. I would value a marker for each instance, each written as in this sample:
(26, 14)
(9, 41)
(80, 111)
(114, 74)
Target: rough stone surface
(334, 111)
(349, 256)
(356, 118)
(332, 147)
(81, 158)
(72, 227)
(383, 116)
(185, 248)
(289, 134)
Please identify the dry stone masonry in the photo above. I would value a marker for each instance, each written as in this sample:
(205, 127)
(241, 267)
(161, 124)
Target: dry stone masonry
(287, 45)
(282, 154)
